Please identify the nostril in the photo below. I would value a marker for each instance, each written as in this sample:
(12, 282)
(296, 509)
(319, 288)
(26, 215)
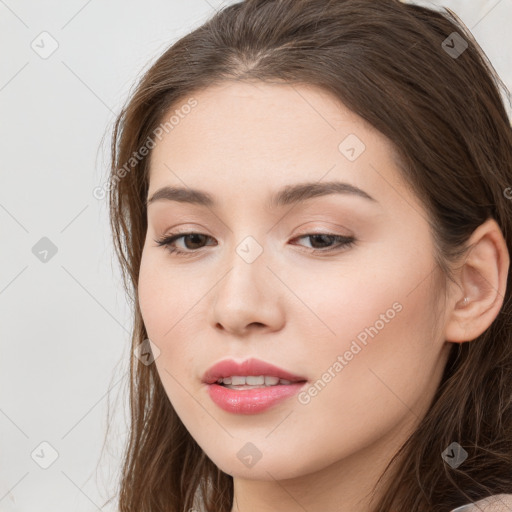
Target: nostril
(259, 324)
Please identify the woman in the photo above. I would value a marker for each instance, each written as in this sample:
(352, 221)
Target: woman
(310, 201)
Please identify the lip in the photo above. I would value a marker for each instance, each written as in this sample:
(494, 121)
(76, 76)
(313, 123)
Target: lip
(254, 367)
(250, 401)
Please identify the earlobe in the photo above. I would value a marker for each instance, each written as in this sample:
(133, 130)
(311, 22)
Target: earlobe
(482, 281)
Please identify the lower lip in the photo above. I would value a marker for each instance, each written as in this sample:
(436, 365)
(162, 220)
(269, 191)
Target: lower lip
(251, 401)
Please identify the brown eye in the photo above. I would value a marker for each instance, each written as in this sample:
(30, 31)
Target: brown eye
(195, 241)
(321, 240)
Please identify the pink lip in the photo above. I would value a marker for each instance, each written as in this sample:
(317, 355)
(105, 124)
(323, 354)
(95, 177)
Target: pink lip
(249, 401)
(256, 367)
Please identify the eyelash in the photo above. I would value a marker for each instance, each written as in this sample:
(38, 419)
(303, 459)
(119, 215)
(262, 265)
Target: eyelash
(343, 241)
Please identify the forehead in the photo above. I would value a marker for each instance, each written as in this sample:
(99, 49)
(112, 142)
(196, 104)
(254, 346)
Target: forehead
(243, 136)
(261, 119)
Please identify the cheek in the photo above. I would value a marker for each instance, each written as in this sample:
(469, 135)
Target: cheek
(164, 309)
(373, 332)
(173, 313)
(383, 354)
(164, 296)
(340, 301)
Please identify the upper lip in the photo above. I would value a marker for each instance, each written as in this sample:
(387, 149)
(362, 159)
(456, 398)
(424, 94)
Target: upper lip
(229, 367)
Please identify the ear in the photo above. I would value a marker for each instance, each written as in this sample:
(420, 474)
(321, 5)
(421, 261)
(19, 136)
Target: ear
(482, 278)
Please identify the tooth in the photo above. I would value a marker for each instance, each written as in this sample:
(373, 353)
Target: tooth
(243, 387)
(253, 380)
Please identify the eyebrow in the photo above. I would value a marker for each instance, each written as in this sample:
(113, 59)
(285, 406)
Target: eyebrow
(289, 194)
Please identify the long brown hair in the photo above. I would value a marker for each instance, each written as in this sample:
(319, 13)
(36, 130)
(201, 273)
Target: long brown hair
(437, 98)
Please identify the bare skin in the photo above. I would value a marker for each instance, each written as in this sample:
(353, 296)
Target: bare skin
(297, 309)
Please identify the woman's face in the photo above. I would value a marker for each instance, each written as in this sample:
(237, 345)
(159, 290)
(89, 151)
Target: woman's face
(354, 321)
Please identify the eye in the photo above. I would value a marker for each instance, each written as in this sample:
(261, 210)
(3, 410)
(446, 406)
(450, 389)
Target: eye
(168, 242)
(196, 239)
(327, 238)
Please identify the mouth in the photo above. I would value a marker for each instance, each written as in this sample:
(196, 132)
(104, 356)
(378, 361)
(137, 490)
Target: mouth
(254, 381)
(250, 387)
(251, 372)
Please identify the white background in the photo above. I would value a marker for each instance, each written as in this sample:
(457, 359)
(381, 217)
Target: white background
(65, 323)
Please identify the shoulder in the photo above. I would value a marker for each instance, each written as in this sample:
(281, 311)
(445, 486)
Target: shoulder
(496, 503)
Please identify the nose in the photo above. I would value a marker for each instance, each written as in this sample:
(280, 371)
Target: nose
(248, 298)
